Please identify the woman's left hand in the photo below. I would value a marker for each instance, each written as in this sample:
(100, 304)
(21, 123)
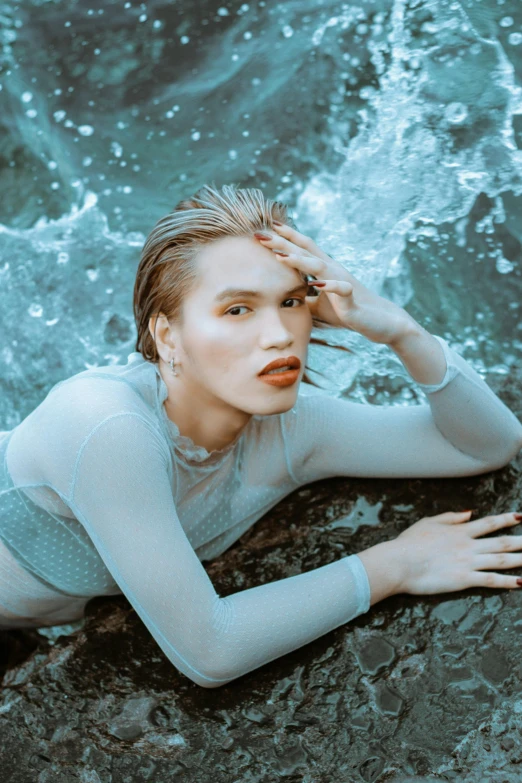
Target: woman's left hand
(343, 301)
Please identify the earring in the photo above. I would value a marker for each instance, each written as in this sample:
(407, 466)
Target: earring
(172, 366)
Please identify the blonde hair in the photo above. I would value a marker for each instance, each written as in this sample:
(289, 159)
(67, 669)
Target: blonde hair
(167, 270)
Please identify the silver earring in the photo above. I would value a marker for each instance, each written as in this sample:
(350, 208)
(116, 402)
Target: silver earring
(172, 366)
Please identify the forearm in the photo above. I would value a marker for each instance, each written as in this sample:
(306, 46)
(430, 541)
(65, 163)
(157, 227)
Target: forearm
(255, 626)
(466, 410)
(421, 354)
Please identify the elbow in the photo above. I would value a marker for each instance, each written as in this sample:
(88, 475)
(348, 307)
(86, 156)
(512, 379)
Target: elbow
(506, 456)
(204, 673)
(208, 673)
(516, 447)
(205, 678)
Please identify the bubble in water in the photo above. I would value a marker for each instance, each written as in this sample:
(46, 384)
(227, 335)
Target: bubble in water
(59, 115)
(31, 113)
(287, 31)
(63, 258)
(35, 310)
(455, 113)
(85, 130)
(116, 149)
(27, 97)
(223, 12)
(507, 21)
(195, 136)
(515, 39)
(184, 39)
(503, 266)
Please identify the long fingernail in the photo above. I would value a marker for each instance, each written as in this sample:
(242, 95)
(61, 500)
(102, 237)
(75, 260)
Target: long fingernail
(316, 282)
(519, 582)
(259, 235)
(517, 516)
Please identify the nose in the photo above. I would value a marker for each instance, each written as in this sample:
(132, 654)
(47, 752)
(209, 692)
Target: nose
(274, 333)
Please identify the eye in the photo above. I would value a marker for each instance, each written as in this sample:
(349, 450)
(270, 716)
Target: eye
(295, 299)
(239, 307)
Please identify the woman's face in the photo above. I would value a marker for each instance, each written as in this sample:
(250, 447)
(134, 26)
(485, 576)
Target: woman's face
(226, 339)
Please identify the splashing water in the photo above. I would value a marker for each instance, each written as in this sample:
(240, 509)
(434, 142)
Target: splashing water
(391, 128)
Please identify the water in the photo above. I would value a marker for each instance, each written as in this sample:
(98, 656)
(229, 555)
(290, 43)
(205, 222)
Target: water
(394, 131)
(392, 128)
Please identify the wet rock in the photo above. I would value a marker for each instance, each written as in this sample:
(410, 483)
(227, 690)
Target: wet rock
(421, 688)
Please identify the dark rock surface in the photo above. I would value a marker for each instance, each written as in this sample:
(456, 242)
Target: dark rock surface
(421, 688)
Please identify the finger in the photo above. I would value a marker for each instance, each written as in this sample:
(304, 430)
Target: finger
(310, 265)
(453, 517)
(480, 527)
(273, 241)
(301, 240)
(507, 543)
(490, 579)
(501, 560)
(341, 287)
(277, 243)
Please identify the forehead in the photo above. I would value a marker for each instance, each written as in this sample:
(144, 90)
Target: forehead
(242, 262)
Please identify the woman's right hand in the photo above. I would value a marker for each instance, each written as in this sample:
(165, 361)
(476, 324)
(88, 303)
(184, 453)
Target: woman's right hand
(445, 553)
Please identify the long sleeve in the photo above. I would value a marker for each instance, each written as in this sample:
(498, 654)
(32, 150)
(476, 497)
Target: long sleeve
(470, 415)
(122, 495)
(465, 429)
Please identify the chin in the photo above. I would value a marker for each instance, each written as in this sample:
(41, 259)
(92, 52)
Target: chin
(282, 404)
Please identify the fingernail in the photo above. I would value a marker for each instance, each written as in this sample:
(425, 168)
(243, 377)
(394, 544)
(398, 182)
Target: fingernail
(282, 254)
(276, 223)
(259, 235)
(315, 282)
(517, 516)
(519, 582)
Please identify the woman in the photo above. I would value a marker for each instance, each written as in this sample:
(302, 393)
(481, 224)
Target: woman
(126, 477)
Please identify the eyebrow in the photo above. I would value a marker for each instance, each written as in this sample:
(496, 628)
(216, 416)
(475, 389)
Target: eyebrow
(233, 293)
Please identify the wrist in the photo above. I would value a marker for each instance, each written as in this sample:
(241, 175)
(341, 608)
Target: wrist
(409, 330)
(386, 568)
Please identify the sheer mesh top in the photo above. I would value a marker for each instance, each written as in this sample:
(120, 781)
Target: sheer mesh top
(100, 494)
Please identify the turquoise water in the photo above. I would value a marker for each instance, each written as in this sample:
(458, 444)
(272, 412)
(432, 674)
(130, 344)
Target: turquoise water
(393, 130)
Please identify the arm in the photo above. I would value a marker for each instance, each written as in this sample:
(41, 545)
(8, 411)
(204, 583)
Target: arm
(464, 430)
(121, 493)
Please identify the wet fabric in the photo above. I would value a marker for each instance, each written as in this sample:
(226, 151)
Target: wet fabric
(100, 494)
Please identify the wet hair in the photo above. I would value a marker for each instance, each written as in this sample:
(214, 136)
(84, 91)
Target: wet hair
(167, 270)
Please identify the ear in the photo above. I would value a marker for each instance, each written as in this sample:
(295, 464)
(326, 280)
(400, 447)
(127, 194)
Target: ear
(160, 331)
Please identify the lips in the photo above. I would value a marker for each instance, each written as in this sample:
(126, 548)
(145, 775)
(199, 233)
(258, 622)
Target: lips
(289, 361)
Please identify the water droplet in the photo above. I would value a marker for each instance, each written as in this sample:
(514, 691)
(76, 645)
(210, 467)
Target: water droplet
(86, 130)
(35, 310)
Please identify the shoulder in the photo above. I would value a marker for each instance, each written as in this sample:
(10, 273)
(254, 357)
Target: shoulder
(76, 408)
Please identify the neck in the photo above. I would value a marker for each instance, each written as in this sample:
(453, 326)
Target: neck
(206, 420)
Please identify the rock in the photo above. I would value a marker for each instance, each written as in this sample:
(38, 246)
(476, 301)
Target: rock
(420, 686)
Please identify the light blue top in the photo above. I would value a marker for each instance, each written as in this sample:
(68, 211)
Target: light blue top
(100, 494)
